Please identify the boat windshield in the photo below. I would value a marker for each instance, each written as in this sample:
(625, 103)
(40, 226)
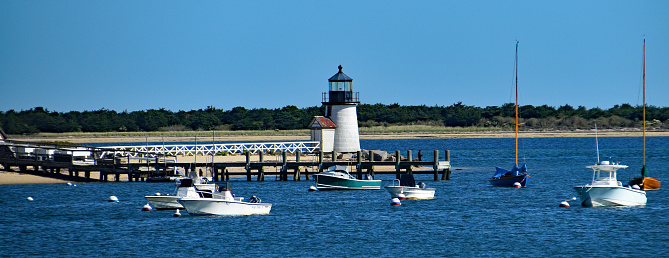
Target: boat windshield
(339, 168)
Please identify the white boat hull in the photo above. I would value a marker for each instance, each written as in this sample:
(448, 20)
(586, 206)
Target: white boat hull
(210, 206)
(164, 202)
(411, 192)
(610, 196)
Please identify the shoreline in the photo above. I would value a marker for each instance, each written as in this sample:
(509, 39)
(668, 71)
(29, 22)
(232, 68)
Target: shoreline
(16, 178)
(13, 178)
(387, 136)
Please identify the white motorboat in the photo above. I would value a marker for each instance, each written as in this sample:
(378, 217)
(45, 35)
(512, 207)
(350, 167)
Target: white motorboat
(223, 202)
(606, 190)
(186, 187)
(407, 186)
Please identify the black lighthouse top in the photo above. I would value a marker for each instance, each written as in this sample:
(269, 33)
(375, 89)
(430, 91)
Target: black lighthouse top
(341, 91)
(340, 77)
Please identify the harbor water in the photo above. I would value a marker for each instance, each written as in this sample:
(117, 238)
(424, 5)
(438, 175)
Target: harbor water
(467, 217)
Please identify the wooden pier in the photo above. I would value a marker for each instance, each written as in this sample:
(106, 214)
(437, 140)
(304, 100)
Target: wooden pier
(295, 168)
(62, 162)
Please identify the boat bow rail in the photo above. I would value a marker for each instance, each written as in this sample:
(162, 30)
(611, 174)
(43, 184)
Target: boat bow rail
(211, 149)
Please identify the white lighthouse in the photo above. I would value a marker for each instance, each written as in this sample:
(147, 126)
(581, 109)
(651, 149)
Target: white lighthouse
(340, 103)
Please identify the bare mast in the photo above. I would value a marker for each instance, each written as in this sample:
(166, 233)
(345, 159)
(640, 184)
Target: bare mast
(644, 102)
(517, 102)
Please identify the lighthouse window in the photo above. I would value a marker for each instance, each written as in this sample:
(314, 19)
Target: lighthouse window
(340, 86)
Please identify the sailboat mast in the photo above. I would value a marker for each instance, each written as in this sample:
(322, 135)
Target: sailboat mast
(517, 102)
(597, 144)
(644, 102)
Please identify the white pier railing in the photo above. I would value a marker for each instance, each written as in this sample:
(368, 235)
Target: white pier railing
(209, 149)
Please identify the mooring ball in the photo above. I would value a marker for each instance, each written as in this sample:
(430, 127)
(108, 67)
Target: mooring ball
(564, 204)
(401, 196)
(30, 198)
(395, 202)
(312, 188)
(113, 199)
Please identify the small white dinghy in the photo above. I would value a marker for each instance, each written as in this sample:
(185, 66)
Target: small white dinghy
(407, 185)
(223, 202)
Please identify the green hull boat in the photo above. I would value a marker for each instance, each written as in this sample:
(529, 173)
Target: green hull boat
(338, 178)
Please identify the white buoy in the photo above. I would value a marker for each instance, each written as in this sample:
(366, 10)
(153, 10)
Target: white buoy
(312, 188)
(68, 183)
(30, 198)
(401, 196)
(395, 202)
(177, 214)
(564, 204)
(113, 199)
(74, 185)
(147, 207)
(517, 185)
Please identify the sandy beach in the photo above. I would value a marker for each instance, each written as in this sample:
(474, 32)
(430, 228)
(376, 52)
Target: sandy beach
(14, 178)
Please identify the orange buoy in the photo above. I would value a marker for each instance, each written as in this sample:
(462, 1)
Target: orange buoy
(517, 185)
(147, 207)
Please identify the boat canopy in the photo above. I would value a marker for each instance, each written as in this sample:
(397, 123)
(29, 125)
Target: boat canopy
(186, 182)
(407, 180)
(513, 172)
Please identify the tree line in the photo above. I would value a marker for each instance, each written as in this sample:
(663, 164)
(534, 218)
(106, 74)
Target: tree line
(565, 117)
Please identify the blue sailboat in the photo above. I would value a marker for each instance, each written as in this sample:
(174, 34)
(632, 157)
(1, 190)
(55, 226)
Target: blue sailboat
(517, 175)
(505, 177)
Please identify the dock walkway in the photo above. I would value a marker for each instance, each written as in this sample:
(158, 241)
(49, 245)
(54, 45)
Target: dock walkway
(78, 163)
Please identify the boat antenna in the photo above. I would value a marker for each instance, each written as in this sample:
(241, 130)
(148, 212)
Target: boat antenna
(597, 143)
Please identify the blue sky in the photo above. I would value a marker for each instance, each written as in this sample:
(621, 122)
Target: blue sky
(187, 55)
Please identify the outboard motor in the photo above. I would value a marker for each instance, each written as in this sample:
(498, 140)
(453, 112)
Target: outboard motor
(254, 199)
